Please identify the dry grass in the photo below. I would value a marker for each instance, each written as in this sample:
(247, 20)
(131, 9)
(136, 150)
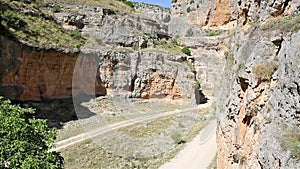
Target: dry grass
(112, 4)
(283, 23)
(36, 30)
(151, 129)
(264, 71)
(89, 155)
(290, 141)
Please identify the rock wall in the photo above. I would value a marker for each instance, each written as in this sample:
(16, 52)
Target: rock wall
(259, 100)
(154, 12)
(209, 13)
(113, 62)
(35, 74)
(28, 73)
(105, 26)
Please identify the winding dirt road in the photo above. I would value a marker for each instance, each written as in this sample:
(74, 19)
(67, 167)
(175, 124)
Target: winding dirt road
(198, 153)
(98, 131)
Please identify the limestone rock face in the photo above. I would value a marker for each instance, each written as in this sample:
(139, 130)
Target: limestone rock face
(30, 74)
(190, 15)
(145, 74)
(106, 26)
(113, 62)
(259, 98)
(154, 12)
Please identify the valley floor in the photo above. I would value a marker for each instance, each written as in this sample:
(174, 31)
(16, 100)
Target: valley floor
(146, 141)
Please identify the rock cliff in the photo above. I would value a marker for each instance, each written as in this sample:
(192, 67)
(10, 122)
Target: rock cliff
(258, 103)
(120, 42)
(259, 100)
(247, 50)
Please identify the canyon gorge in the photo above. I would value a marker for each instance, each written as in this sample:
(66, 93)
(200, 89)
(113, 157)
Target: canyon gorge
(243, 53)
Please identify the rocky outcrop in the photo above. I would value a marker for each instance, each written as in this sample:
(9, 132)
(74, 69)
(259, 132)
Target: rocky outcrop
(259, 99)
(29, 74)
(207, 60)
(207, 12)
(34, 74)
(192, 15)
(113, 63)
(156, 13)
(110, 27)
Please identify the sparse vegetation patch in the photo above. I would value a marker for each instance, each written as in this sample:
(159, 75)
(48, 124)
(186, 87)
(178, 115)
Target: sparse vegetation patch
(264, 71)
(290, 141)
(37, 30)
(186, 50)
(283, 23)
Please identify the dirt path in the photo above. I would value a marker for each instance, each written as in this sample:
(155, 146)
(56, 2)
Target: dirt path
(98, 131)
(198, 153)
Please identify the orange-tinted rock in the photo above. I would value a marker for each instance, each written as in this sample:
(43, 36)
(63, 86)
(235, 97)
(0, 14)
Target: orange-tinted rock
(37, 73)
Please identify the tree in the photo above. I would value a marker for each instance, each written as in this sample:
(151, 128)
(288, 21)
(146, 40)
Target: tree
(24, 140)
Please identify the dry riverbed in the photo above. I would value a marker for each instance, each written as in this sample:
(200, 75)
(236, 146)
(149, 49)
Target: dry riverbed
(146, 144)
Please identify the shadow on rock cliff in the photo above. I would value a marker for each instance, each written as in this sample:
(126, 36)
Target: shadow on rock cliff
(56, 111)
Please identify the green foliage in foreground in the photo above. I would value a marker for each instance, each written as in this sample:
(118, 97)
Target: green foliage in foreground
(24, 141)
(291, 142)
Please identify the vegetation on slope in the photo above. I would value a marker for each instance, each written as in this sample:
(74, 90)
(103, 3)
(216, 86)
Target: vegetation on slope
(264, 71)
(34, 27)
(291, 142)
(283, 23)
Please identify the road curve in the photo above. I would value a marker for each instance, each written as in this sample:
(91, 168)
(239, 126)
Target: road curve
(198, 153)
(96, 132)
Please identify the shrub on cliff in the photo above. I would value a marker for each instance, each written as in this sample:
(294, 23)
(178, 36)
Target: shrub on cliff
(186, 51)
(128, 3)
(264, 71)
(24, 140)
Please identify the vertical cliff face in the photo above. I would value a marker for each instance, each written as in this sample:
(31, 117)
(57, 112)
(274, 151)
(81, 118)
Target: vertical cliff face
(208, 13)
(259, 102)
(31, 74)
(258, 106)
(118, 54)
(34, 74)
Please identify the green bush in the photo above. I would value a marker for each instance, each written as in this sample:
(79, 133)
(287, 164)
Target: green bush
(172, 46)
(56, 8)
(175, 42)
(186, 51)
(177, 138)
(10, 19)
(291, 142)
(188, 10)
(198, 84)
(214, 33)
(24, 140)
(129, 3)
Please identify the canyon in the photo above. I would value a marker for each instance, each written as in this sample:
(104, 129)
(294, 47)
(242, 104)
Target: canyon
(244, 53)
